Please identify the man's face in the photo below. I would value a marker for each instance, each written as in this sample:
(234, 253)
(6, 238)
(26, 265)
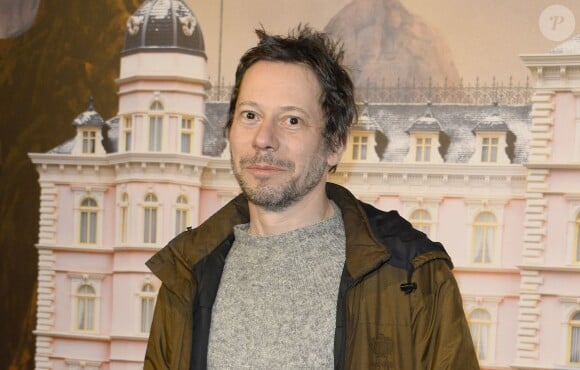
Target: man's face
(276, 138)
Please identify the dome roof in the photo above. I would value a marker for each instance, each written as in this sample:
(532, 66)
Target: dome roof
(365, 121)
(90, 117)
(163, 26)
(492, 122)
(426, 122)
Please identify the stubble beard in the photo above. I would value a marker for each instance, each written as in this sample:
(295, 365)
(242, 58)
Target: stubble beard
(276, 198)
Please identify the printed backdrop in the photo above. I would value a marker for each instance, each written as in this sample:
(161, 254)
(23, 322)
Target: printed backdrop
(55, 54)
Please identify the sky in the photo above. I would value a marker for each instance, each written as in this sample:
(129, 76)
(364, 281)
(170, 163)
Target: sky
(485, 37)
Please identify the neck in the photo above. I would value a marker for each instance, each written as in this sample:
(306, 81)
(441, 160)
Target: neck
(312, 208)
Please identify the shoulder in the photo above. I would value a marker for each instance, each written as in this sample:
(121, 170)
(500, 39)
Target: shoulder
(192, 245)
(408, 246)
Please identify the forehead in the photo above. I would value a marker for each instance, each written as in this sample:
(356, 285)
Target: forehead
(282, 80)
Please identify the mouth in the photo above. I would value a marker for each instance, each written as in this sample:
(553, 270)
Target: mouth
(265, 165)
(264, 169)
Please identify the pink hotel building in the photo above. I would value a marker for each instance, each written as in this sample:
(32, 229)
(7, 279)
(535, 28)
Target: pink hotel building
(498, 185)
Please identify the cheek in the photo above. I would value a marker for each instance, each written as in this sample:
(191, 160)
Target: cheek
(236, 139)
(312, 158)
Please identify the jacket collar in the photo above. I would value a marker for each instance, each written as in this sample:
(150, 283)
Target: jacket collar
(174, 263)
(364, 253)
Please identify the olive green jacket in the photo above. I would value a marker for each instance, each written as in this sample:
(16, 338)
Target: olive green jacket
(399, 306)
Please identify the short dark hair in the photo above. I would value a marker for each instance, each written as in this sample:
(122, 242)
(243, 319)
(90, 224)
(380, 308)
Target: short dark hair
(324, 56)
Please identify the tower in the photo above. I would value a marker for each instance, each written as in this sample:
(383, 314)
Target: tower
(117, 192)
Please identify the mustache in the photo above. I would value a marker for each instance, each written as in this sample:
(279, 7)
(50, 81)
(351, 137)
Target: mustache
(268, 159)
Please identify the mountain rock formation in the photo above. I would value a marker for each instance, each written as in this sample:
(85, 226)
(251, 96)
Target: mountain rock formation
(385, 44)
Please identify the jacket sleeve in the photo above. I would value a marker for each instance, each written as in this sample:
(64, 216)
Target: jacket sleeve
(442, 335)
(169, 344)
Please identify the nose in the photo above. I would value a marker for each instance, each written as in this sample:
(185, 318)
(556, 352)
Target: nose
(265, 137)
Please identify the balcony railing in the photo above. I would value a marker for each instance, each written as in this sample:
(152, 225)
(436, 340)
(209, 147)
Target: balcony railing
(417, 93)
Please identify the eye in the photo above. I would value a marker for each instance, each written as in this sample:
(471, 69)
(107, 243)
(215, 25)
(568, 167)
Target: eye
(292, 121)
(249, 115)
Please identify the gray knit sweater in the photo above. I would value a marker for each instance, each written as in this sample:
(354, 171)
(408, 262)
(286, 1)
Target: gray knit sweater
(276, 303)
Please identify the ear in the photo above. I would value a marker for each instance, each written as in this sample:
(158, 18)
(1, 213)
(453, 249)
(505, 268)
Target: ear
(334, 156)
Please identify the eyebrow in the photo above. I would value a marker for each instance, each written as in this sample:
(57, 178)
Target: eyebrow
(285, 108)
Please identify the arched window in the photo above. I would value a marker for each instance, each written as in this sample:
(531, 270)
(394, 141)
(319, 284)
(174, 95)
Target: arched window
(575, 339)
(147, 307)
(150, 219)
(85, 308)
(124, 217)
(421, 220)
(156, 105)
(484, 231)
(480, 327)
(155, 127)
(88, 221)
(181, 214)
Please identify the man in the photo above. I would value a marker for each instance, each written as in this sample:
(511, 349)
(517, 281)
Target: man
(295, 272)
